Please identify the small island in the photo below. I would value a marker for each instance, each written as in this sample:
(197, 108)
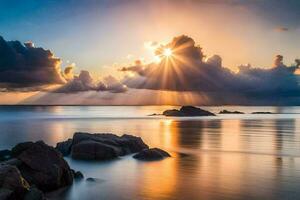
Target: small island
(262, 113)
(187, 111)
(230, 112)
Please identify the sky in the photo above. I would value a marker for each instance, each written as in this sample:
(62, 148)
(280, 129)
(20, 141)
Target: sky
(99, 37)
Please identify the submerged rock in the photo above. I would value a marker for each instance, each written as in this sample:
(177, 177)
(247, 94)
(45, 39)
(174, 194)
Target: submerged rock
(187, 111)
(151, 154)
(12, 184)
(86, 146)
(94, 180)
(230, 112)
(44, 167)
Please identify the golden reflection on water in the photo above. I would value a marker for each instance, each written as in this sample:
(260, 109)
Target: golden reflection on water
(211, 158)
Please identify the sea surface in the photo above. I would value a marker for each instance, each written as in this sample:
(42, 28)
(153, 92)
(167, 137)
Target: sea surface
(233, 156)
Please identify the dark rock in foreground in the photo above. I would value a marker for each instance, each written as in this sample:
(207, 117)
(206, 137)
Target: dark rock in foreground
(34, 194)
(262, 113)
(86, 146)
(44, 167)
(12, 184)
(187, 111)
(230, 112)
(151, 154)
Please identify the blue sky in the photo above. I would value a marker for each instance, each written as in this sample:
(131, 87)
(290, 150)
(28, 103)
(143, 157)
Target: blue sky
(97, 33)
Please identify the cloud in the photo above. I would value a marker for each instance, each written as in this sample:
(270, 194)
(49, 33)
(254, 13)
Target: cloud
(27, 66)
(187, 70)
(84, 82)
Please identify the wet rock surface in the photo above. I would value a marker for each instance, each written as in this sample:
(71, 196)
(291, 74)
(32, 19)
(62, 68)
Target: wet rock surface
(44, 167)
(151, 154)
(86, 146)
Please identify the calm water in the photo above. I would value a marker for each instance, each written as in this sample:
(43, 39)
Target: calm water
(223, 157)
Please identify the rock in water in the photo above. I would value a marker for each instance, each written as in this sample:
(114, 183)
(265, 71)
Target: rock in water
(19, 148)
(12, 184)
(88, 146)
(64, 147)
(230, 112)
(262, 113)
(44, 167)
(188, 111)
(93, 150)
(78, 175)
(151, 154)
(173, 113)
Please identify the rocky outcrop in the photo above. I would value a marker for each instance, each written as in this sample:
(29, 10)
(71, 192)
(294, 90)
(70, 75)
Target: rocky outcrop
(44, 167)
(230, 112)
(187, 111)
(86, 146)
(64, 147)
(12, 184)
(151, 154)
(77, 175)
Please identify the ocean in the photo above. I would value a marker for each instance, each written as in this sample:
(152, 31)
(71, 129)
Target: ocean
(228, 156)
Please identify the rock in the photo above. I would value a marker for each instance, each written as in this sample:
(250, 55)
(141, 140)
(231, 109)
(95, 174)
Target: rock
(44, 167)
(187, 111)
(5, 155)
(91, 179)
(12, 161)
(77, 175)
(151, 154)
(95, 180)
(154, 114)
(64, 147)
(262, 113)
(34, 194)
(93, 150)
(19, 148)
(173, 113)
(88, 146)
(230, 112)
(12, 184)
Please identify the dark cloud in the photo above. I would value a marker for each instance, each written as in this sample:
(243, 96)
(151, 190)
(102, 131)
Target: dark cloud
(186, 70)
(84, 82)
(27, 66)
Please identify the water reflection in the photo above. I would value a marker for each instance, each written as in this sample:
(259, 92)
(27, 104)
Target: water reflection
(235, 157)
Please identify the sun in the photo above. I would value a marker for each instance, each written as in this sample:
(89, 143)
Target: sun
(167, 52)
